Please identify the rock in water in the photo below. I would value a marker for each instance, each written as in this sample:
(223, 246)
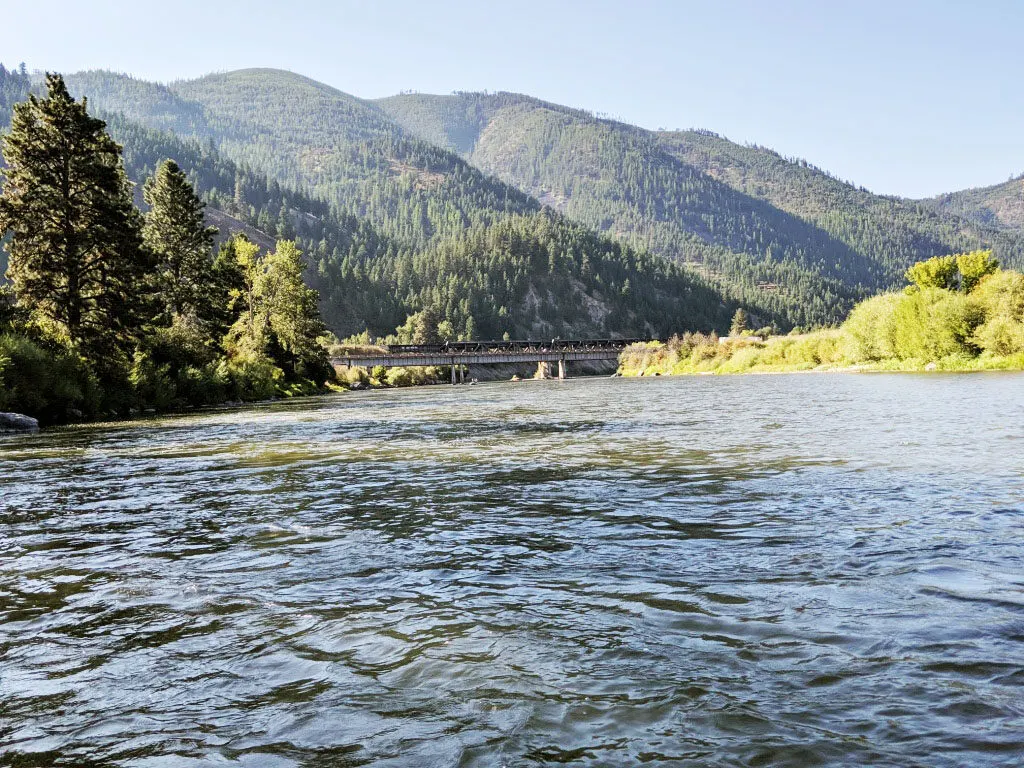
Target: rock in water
(16, 422)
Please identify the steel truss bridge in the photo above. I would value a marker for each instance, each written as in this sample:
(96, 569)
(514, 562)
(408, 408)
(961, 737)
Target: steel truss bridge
(459, 354)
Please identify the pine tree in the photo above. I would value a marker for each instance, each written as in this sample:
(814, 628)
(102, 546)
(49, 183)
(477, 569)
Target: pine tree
(77, 261)
(176, 232)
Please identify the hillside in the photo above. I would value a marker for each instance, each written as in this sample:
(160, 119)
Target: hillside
(814, 243)
(309, 136)
(794, 245)
(526, 274)
(1000, 205)
(616, 178)
(894, 231)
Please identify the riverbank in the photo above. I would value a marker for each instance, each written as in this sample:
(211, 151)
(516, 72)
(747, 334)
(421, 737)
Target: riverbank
(823, 351)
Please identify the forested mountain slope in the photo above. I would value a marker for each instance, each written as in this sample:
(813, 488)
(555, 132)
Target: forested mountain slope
(893, 231)
(512, 272)
(791, 243)
(1001, 205)
(309, 136)
(618, 179)
(813, 241)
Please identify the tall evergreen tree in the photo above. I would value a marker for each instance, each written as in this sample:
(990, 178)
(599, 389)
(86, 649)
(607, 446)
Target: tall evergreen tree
(77, 261)
(176, 232)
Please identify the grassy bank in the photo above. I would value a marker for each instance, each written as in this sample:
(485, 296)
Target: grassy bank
(826, 350)
(961, 313)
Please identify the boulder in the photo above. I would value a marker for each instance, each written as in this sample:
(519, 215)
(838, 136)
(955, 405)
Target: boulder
(16, 422)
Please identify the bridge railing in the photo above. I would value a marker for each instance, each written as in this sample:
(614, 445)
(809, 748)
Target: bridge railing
(500, 347)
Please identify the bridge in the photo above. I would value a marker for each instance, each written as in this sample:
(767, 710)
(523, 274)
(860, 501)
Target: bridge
(459, 354)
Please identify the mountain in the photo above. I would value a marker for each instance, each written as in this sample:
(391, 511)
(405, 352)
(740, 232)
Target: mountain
(418, 180)
(812, 243)
(315, 138)
(894, 231)
(487, 259)
(999, 206)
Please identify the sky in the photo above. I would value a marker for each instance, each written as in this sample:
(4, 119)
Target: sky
(904, 97)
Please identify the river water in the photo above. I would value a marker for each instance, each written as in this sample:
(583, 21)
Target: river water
(762, 570)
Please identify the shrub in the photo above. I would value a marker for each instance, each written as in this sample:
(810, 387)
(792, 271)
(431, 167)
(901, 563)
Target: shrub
(251, 377)
(932, 323)
(48, 384)
(869, 332)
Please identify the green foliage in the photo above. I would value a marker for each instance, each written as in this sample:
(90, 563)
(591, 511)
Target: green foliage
(925, 328)
(176, 233)
(278, 318)
(973, 267)
(89, 336)
(739, 323)
(870, 329)
(933, 323)
(936, 272)
(1002, 295)
(50, 384)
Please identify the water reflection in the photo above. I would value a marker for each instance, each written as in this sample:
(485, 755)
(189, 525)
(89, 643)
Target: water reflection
(787, 570)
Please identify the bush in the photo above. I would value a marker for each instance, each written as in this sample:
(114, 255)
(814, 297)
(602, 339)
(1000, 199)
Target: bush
(50, 385)
(932, 323)
(152, 382)
(1002, 296)
(870, 332)
(251, 377)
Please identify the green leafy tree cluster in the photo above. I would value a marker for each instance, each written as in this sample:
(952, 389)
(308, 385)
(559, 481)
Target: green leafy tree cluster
(77, 259)
(961, 271)
(958, 306)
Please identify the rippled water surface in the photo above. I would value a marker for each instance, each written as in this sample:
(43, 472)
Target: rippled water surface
(761, 570)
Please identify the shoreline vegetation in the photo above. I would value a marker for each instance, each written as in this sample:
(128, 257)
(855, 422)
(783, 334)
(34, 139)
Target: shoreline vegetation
(959, 313)
(115, 309)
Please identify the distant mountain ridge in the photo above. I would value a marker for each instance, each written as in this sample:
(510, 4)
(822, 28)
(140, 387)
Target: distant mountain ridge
(793, 225)
(999, 205)
(482, 257)
(791, 243)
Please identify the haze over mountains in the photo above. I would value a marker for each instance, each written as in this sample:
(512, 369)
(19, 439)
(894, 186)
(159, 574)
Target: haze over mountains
(505, 214)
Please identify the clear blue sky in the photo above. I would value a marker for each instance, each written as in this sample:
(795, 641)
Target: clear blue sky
(908, 97)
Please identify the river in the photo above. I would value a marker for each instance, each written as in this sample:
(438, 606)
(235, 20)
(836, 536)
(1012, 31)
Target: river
(761, 570)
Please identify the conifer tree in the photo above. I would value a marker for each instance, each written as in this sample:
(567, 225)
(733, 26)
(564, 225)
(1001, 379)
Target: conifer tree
(176, 232)
(77, 261)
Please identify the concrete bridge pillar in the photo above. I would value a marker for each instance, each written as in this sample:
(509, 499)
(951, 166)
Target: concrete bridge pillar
(561, 368)
(453, 371)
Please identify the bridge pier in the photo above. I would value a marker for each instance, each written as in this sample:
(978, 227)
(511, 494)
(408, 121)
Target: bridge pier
(561, 368)
(453, 372)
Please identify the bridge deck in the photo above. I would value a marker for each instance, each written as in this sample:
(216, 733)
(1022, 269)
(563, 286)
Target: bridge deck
(470, 358)
(461, 353)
